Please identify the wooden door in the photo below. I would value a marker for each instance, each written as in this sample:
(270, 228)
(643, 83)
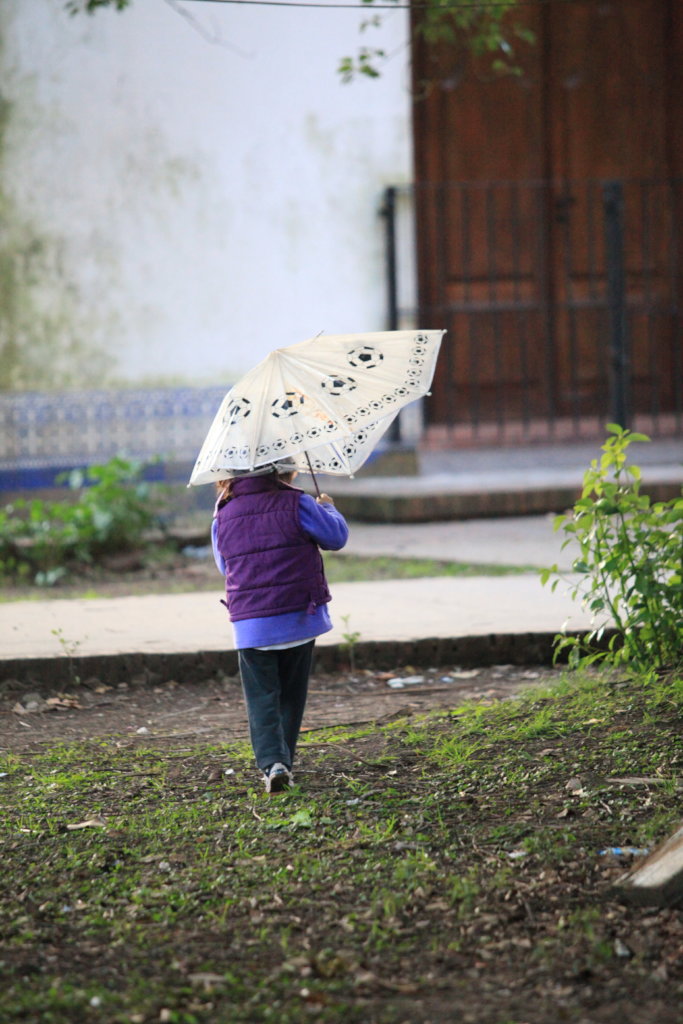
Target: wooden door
(510, 214)
(607, 75)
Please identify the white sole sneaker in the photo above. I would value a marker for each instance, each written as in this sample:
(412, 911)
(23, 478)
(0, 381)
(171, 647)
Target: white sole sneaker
(277, 778)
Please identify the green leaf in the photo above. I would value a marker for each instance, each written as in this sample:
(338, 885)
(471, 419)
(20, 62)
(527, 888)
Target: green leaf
(302, 819)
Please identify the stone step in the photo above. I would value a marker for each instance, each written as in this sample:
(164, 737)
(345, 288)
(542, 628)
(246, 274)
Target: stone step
(658, 879)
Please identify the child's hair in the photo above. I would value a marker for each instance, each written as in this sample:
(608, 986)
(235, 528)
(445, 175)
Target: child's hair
(224, 487)
(223, 491)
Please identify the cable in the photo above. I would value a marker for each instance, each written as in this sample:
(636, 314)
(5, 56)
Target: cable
(370, 6)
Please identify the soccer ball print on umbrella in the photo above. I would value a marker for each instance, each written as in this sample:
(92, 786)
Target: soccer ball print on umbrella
(322, 404)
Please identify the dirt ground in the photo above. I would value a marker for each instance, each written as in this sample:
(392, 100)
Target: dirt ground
(539, 940)
(548, 944)
(170, 712)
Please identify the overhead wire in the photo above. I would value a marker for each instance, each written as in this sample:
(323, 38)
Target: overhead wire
(369, 5)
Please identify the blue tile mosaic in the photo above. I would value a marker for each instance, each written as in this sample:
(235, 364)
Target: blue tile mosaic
(45, 433)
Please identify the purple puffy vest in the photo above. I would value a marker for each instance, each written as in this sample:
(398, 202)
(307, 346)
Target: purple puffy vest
(272, 565)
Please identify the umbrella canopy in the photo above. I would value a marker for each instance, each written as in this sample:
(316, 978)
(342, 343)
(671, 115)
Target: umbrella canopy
(322, 404)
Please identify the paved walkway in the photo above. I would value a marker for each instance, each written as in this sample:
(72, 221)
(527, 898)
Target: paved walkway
(406, 610)
(511, 540)
(381, 610)
(386, 610)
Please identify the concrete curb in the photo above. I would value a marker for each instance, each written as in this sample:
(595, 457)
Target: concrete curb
(443, 505)
(193, 666)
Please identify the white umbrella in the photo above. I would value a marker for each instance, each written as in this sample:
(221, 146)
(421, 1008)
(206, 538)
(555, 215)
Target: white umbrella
(322, 404)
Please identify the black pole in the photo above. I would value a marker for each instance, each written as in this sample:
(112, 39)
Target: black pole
(388, 211)
(619, 383)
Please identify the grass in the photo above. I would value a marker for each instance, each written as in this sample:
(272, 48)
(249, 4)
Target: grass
(176, 576)
(342, 568)
(439, 870)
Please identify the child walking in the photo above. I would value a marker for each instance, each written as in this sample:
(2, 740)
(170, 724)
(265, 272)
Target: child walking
(266, 537)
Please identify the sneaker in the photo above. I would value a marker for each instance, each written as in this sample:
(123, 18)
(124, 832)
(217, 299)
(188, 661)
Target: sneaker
(277, 778)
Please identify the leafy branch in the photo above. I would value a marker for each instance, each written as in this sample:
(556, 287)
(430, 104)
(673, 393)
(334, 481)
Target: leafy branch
(90, 6)
(630, 565)
(112, 511)
(480, 29)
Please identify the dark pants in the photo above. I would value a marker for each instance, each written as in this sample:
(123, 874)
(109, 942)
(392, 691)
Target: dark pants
(275, 685)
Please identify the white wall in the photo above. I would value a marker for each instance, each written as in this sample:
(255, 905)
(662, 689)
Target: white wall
(175, 208)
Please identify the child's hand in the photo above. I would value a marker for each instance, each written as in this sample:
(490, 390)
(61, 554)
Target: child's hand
(324, 499)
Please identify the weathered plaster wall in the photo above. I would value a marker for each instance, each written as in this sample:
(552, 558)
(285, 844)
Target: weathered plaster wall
(45, 328)
(172, 208)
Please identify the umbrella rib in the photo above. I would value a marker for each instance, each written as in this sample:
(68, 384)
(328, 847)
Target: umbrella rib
(328, 405)
(319, 399)
(271, 362)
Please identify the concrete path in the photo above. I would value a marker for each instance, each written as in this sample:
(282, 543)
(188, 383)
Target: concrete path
(399, 610)
(512, 540)
(402, 610)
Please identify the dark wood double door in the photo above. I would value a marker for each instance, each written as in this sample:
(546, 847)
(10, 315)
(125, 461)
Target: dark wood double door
(513, 249)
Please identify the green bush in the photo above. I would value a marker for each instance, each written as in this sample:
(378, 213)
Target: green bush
(630, 565)
(43, 540)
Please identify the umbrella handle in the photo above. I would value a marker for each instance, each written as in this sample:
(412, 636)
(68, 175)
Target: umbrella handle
(315, 482)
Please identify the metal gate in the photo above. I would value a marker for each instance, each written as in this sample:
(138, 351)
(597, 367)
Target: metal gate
(562, 302)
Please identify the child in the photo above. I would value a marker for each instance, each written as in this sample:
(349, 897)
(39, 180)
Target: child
(266, 537)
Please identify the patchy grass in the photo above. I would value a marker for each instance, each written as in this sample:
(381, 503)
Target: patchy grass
(341, 568)
(436, 869)
(170, 572)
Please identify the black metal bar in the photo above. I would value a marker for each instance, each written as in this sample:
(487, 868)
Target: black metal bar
(675, 205)
(472, 385)
(565, 217)
(647, 212)
(389, 214)
(600, 398)
(388, 211)
(672, 388)
(613, 209)
(545, 268)
(492, 246)
(442, 197)
(519, 319)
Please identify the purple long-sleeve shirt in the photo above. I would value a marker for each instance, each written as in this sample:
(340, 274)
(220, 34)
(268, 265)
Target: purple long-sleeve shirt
(327, 527)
